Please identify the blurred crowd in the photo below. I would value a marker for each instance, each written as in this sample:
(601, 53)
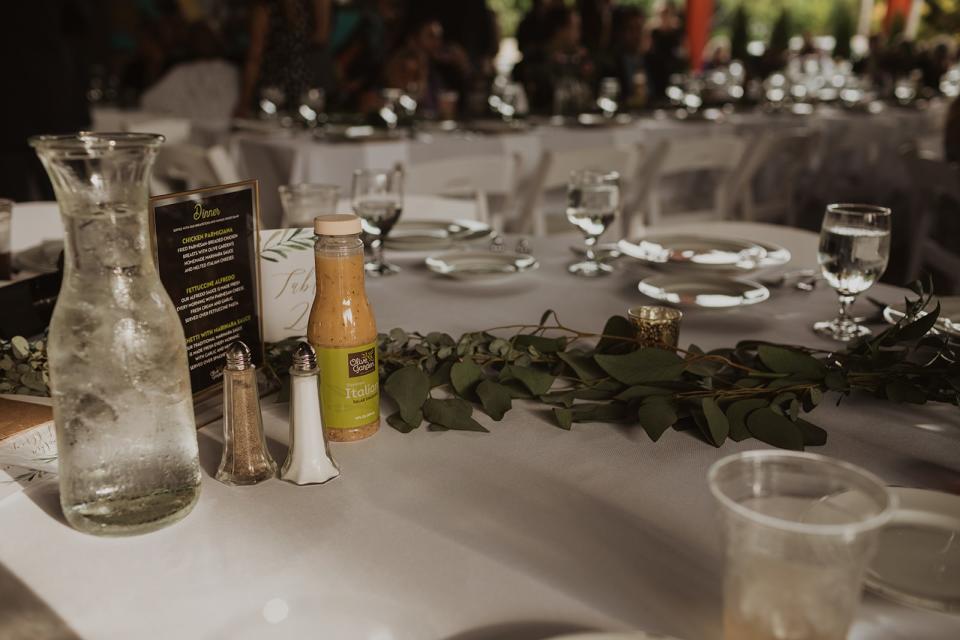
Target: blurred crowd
(448, 56)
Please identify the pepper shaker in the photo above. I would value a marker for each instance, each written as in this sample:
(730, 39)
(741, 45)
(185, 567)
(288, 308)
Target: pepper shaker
(245, 456)
(309, 460)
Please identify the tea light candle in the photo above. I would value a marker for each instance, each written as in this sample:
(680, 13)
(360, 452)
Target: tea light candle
(656, 326)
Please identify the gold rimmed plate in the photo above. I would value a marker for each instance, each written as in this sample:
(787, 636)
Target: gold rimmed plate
(708, 292)
(481, 266)
(694, 251)
(435, 235)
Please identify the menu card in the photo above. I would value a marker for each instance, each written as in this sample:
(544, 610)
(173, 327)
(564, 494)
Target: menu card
(206, 244)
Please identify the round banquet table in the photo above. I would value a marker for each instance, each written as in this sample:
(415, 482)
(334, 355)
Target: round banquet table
(522, 533)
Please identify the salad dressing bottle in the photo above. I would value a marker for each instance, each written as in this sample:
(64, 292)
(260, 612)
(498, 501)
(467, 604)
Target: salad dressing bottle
(343, 332)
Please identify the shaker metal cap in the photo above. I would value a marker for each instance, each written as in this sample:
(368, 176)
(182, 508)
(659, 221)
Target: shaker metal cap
(336, 224)
(239, 356)
(304, 357)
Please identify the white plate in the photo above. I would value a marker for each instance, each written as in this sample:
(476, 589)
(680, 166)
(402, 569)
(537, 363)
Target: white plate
(433, 235)
(948, 322)
(918, 555)
(711, 292)
(692, 251)
(484, 266)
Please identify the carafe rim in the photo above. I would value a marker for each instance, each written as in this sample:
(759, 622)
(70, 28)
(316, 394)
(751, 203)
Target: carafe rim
(87, 143)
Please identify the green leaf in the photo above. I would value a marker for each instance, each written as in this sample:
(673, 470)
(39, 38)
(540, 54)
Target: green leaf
(396, 421)
(737, 417)
(783, 360)
(642, 365)
(536, 381)
(564, 418)
(813, 436)
(656, 417)
(600, 412)
(541, 344)
(582, 364)
(409, 387)
(902, 391)
(836, 381)
(716, 422)
(453, 413)
(617, 327)
(464, 376)
(495, 399)
(775, 430)
(441, 375)
(919, 327)
(643, 391)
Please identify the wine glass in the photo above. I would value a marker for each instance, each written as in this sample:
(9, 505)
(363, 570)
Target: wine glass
(853, 254)
(593, 203)
(608, 98)
(377, 197)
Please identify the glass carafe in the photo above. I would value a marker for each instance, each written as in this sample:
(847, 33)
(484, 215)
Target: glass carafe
(122, 405)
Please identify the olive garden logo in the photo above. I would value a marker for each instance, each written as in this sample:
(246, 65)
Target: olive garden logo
(362, 363)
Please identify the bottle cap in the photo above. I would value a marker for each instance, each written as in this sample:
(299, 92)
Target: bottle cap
(304, 357)
(336, 224)
(239, 357)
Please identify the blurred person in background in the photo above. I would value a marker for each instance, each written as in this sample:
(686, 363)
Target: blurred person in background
(287, 50)
(626, 60)
(597, 19)
(531, 32)
(666, 56)
(43, 67)
(362, 34)
(562, 59)
(427, 65)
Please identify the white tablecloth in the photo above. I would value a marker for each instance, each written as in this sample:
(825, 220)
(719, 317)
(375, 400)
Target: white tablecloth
(516, 534)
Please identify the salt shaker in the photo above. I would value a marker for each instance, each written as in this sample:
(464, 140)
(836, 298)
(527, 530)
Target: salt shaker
(309, 460)
(245, 456)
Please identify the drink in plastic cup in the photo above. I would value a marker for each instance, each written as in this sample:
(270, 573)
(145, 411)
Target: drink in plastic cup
(800, 529)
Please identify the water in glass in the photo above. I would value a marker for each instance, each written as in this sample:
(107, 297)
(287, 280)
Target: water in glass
(853, 254)
(122, 403)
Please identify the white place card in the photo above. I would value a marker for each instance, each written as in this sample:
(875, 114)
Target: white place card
(287, 282)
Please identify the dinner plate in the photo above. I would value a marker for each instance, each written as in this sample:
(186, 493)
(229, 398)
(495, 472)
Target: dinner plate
(434, 235)
(710, 292)
(918, 554)
(948, 322)
(701, 252)
(481, 266)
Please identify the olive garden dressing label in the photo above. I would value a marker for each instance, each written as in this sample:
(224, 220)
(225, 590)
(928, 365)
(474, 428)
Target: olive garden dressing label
(349, 387)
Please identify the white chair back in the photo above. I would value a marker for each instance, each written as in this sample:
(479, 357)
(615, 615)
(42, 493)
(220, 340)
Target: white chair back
(554, 171)
(192, 167)
(174, 130)
(936, 192)
(207, 89)
(786, 155)
(721, 153)
(477, 177)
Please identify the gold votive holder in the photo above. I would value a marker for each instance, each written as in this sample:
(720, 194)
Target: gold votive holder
(656, 326)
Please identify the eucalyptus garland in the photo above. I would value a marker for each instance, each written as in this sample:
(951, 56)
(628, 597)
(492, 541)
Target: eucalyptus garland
(753, 390)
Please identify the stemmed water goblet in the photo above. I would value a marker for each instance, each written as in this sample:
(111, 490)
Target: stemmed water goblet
(377, 198)
(593, 203)
(853, 254)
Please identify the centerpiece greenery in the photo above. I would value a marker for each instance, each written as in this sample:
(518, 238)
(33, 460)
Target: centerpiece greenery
(755, 389)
